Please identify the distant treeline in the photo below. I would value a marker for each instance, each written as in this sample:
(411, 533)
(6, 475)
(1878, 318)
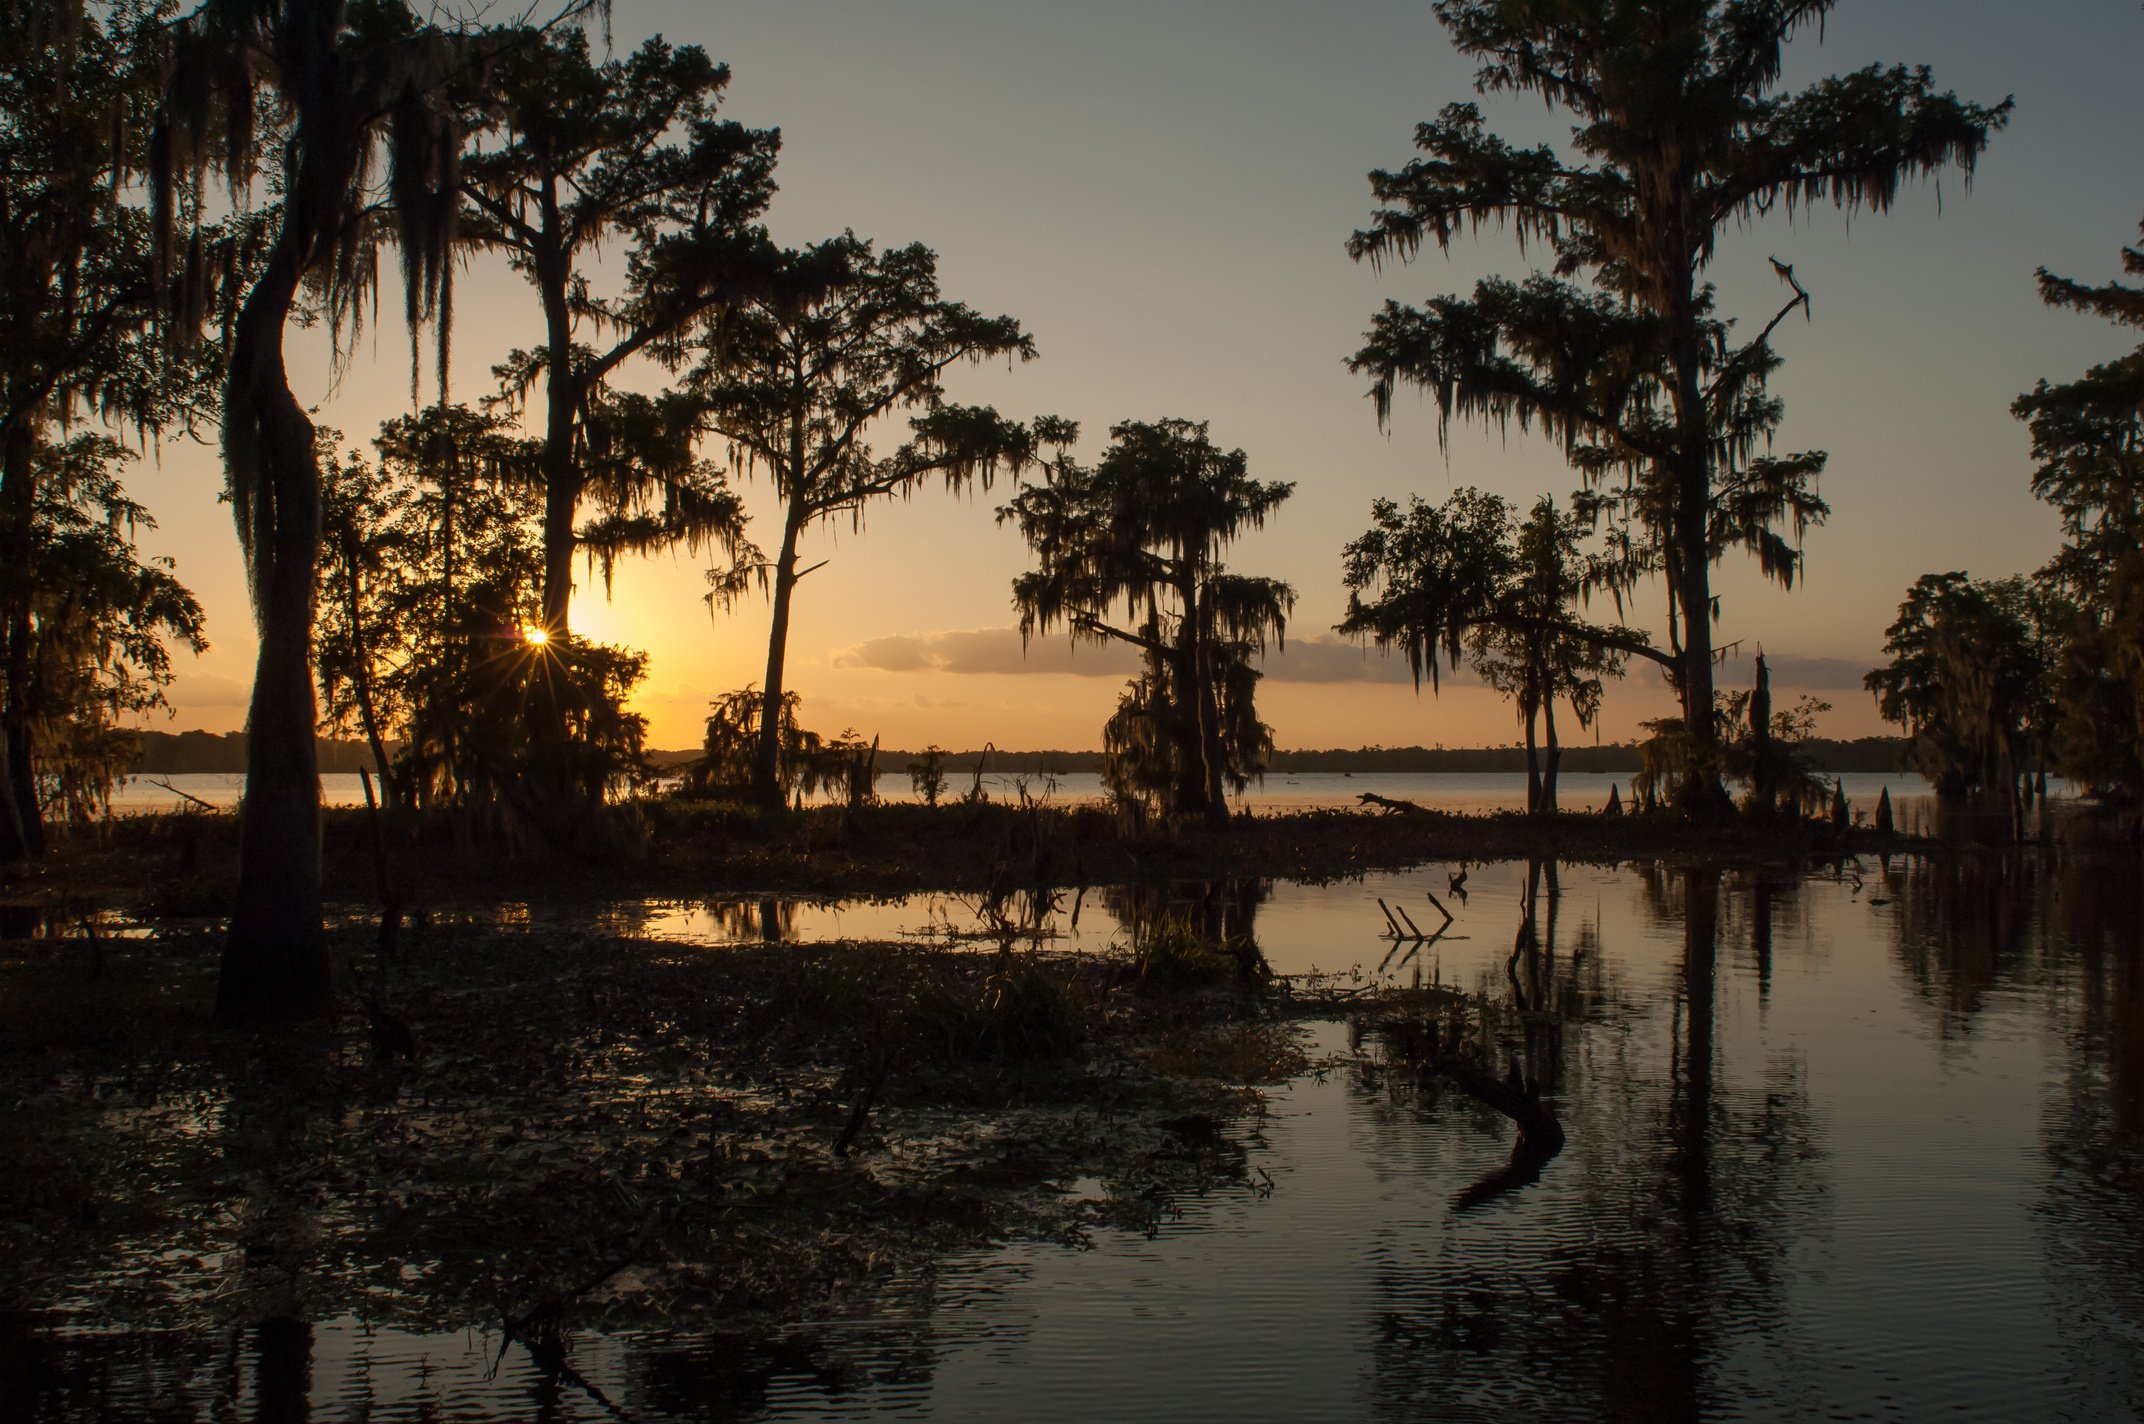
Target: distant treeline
(1879, 754)
(180, 753)
(168, 753)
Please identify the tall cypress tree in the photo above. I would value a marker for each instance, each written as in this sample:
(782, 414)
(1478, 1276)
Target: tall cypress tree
(1622, 354)
(2088, 437)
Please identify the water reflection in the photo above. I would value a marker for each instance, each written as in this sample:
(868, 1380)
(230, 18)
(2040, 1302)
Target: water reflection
(1963, 927)
(1843, 1140)
(1663, 1232)
(1222, 913)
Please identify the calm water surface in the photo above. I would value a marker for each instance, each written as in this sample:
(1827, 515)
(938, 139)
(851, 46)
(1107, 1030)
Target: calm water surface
(1443, 791)
(1859, 1144)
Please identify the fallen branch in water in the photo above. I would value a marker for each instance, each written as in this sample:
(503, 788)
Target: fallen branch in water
(1393, 806)
(166, 785)
(1540, 1135)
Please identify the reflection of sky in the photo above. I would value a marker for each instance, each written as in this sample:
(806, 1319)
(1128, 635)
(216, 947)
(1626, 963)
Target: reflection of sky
(1160, 194)
(1462, 792)
(1897, 1261)
(1919, 1201)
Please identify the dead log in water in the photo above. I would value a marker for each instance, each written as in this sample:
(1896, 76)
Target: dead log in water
(1393, 806)
(1540, 1134)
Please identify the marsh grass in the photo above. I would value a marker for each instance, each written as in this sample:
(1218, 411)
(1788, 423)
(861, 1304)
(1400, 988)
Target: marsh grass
(1171, 952)
(186, 865)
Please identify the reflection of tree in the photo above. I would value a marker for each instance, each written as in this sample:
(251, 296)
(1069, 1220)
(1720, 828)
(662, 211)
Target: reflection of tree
(1969, 927)
(283, 1371)
(1610, 1290)
(1216, 912)
(769, 919)
(2092, 1215)
(1768, 896)
(1962, 927)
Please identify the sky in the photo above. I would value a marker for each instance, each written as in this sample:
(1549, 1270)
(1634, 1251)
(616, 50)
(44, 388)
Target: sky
(1161, 192)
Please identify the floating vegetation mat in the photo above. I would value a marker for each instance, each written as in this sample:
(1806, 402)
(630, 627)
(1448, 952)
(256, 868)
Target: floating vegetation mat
(542, 1129)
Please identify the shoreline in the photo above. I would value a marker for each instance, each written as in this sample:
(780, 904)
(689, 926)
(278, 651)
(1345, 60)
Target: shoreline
(184, 866)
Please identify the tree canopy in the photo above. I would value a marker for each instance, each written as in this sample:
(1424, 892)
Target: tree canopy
(2088, 440)
(1967, 681)
(580, 156)
(1621, 354)
(1438, 581)
(796, 377)
(91, 325)
(103, 622)
(1130, 551)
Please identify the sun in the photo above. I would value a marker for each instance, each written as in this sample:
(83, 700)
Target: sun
(535, 637)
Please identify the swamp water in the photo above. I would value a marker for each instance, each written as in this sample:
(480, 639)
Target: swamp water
(1455, 791)
(1860, 1143)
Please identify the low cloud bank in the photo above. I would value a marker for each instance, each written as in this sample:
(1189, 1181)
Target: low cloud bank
(1316, 658)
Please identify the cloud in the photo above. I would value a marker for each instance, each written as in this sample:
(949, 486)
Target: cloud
(987, 650)
(1323, 659)
(1315, 659)
(1791, 671)
(206, 689)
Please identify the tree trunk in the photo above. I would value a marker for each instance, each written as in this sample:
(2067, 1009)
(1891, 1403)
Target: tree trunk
(549, 792)
(22, 828)
(1701, 791)
(1189, 720)
(1764, 789)
(361, 677)
(1692, 1111)
(1533, 757)
(1213, 756)
(562, 400)
(22, 783)
(561, 498)
(1553, 760)
(767, 761)
(14, 841)
(275, 962)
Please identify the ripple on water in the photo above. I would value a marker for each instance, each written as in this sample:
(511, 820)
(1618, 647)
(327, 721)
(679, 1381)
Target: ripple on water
(1824, 1160)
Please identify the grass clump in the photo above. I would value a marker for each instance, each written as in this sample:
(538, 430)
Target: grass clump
(1170, 953)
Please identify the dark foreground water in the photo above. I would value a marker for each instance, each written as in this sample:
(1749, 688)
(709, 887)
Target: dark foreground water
(1863, 1143)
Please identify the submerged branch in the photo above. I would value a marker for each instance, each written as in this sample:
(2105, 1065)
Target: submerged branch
(1540, 1134)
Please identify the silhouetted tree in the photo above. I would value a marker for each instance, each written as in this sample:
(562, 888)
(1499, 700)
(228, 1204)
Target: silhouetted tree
(808, 762)
(926, 774)
(624, 154)
(794, 379)
(368, 110)
(2088, 437)
(431, 627)
(87, 328)
(1462, 576)
(1621, 355)
(1143, 530)
(101, 622)
(1764, 748)
(1968, 681)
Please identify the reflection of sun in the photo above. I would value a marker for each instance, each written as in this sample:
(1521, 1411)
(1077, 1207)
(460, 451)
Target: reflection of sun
(535, 637)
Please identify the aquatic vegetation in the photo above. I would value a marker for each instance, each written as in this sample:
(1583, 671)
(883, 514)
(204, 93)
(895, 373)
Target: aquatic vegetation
(1170, 952)
(567, 1120)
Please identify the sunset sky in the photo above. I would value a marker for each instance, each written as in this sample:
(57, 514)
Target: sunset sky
(1160, 192)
